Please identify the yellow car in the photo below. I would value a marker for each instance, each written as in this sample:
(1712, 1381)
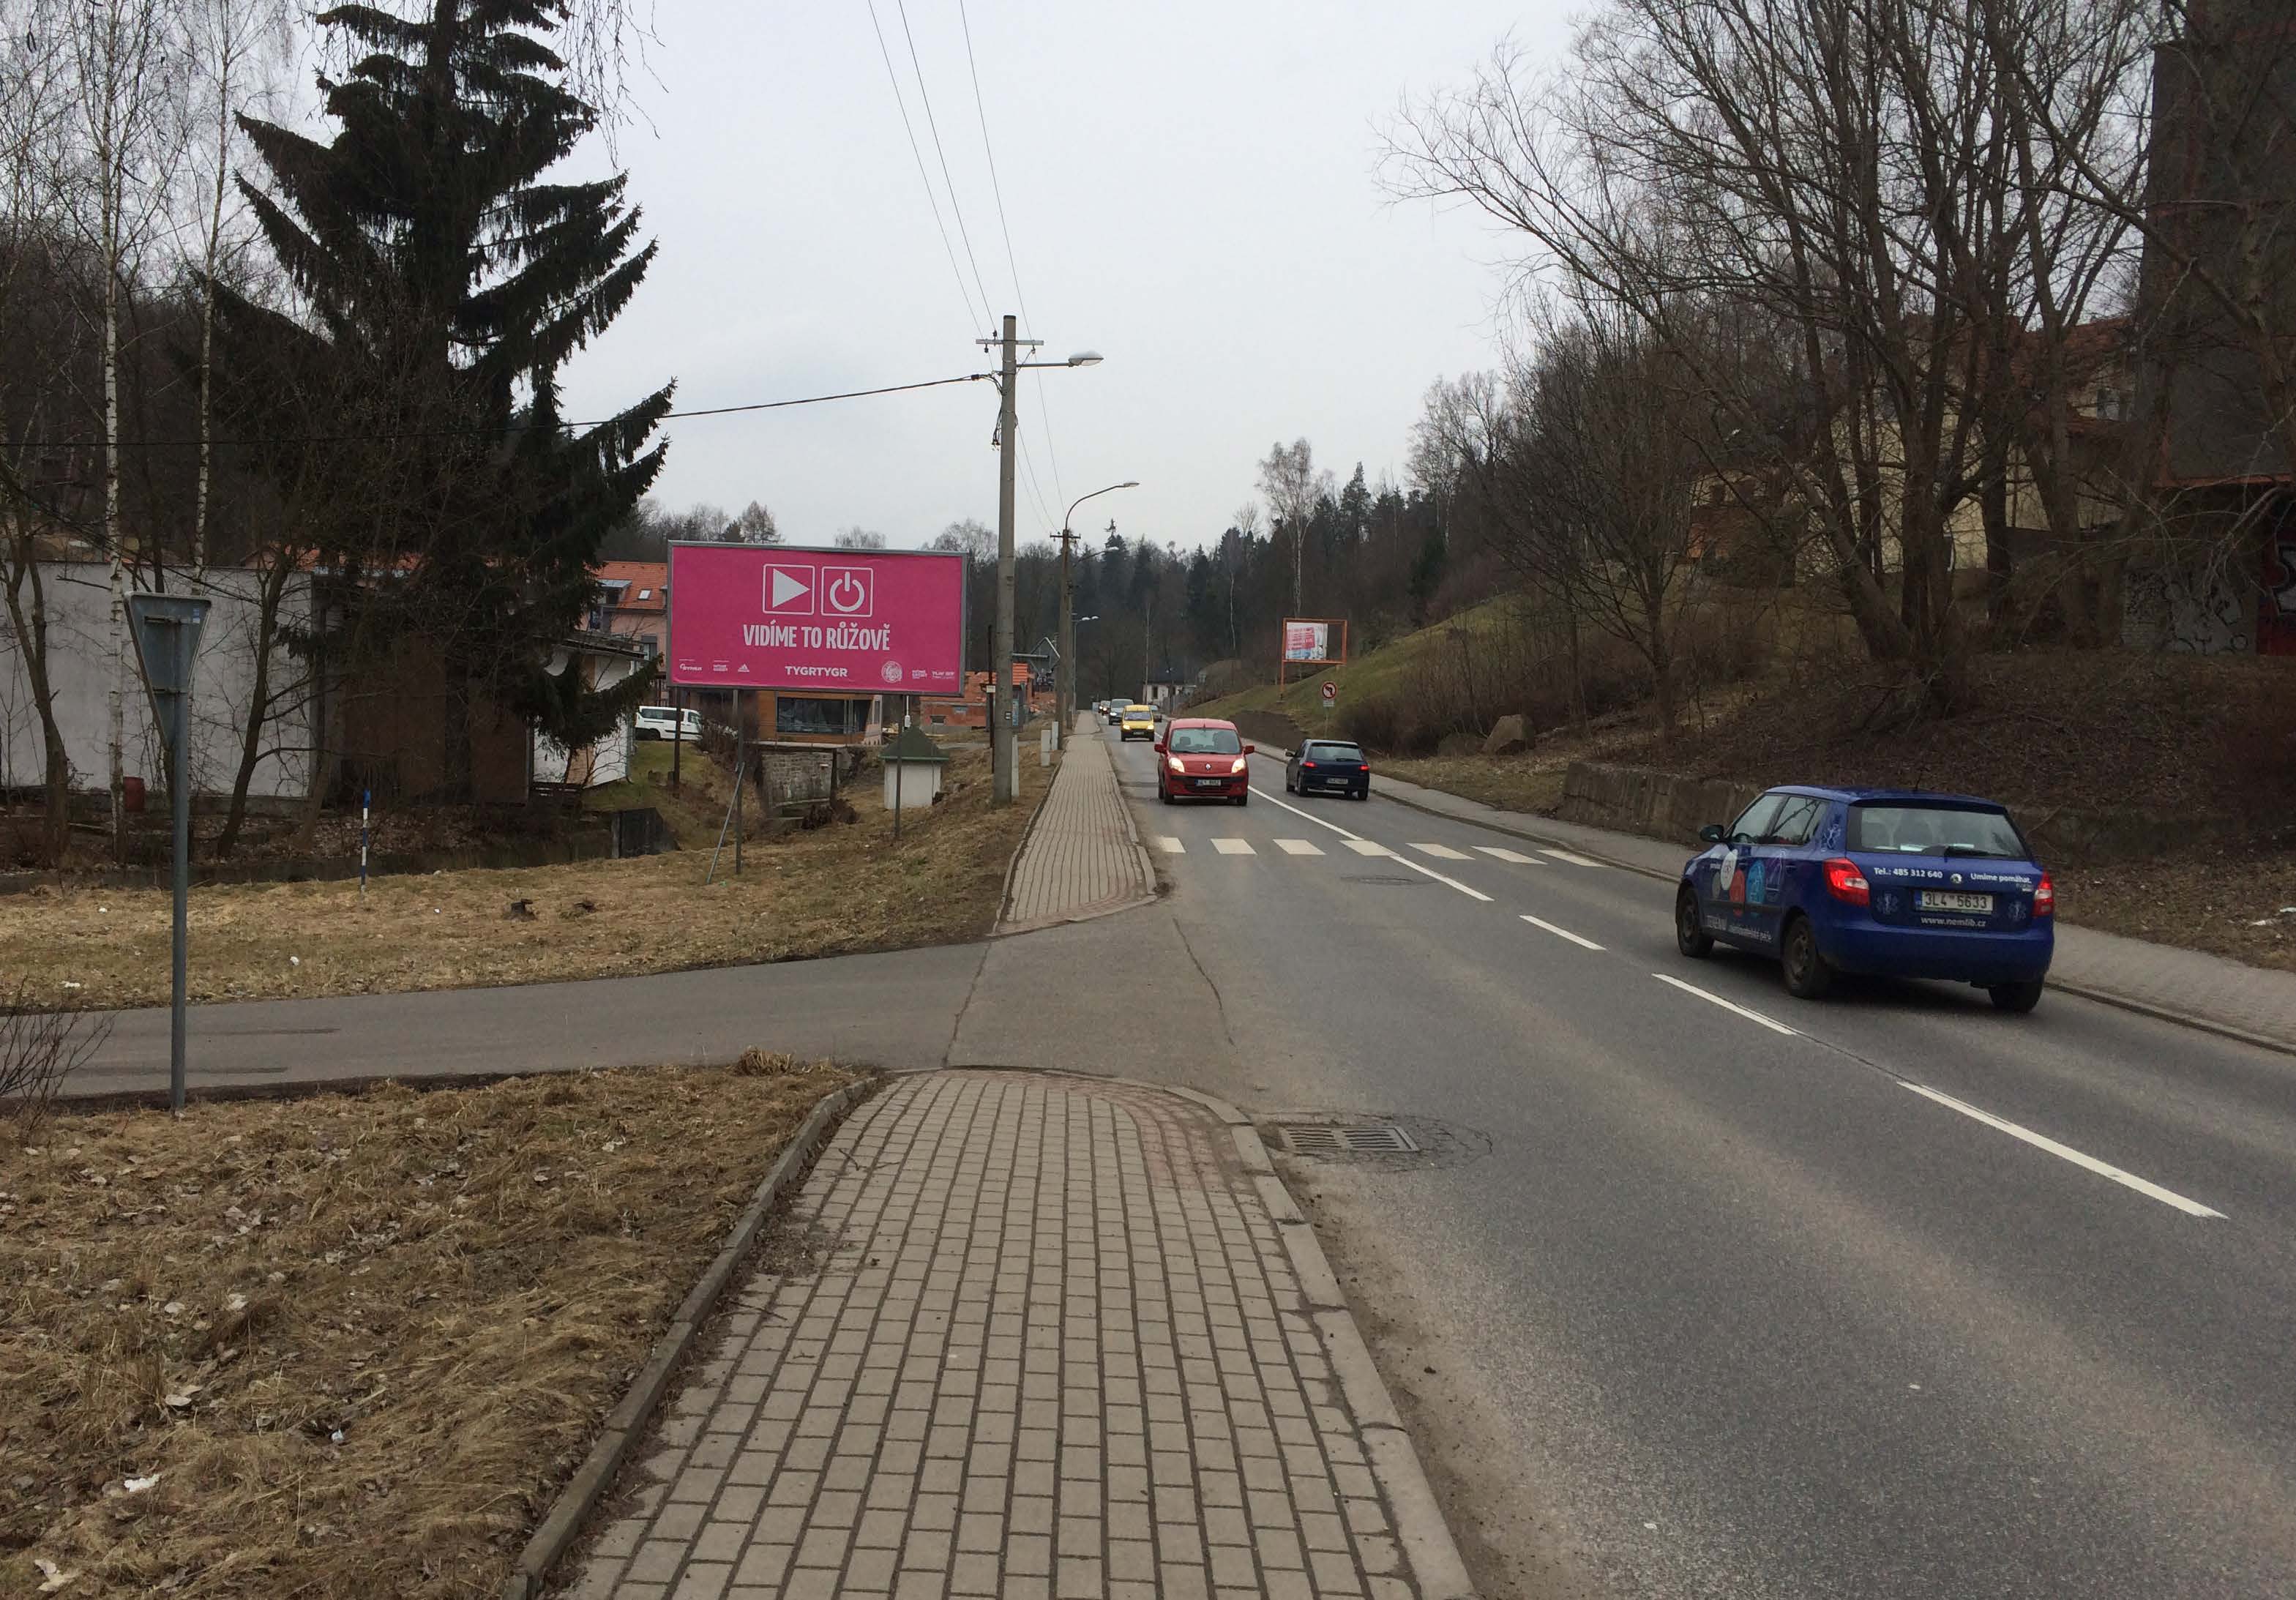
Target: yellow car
(1139, 721)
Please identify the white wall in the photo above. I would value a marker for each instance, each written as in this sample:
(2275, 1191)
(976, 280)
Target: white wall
(609, 760)
(80, 666)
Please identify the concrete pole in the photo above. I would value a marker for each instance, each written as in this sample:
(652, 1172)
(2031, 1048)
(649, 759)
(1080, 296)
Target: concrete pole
(1001, 748)
(1066, 698)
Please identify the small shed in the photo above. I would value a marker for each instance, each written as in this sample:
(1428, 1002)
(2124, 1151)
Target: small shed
(914, 769)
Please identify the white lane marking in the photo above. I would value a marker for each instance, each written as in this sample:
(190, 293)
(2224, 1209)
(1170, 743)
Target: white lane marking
(1567, 856)
(2191, 1208)
(1752, 1016)
(1442, 852)
(1296, 847)
(1358, 844)
(1234, 847)
(1517, 857)
(1586, 944)
(1170, 845)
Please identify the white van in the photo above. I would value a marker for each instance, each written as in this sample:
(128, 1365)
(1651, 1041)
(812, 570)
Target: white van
(660, 722)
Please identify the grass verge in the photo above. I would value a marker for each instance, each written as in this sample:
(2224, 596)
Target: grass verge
(348, 1344)
(835, 890)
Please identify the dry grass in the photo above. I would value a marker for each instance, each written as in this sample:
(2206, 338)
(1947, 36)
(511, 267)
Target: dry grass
(835, 890)
(350, 1344)
(2236, 902)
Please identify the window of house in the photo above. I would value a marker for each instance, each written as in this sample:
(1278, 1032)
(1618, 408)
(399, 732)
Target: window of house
(642, 594)
(819, 715)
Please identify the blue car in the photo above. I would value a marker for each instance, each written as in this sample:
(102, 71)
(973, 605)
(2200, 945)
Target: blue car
(1881, 881)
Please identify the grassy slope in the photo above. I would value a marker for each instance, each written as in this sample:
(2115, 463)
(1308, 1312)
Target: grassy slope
(835, 890)
(1375, 673)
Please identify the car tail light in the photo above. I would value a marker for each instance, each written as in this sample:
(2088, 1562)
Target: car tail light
(1844, 881)
(1306, 767)
(1240, 765)
(1177, 764)
(2044, 898)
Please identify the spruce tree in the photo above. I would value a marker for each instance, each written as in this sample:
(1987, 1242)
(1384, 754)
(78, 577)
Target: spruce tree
(443, 284)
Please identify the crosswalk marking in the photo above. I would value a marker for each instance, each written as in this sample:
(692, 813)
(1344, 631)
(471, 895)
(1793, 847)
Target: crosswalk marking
(1441, 852)
(1517, 857)
(1296, 847)
(1170, 845)
(1567, 856)
(1234, 847)
(1368, 847)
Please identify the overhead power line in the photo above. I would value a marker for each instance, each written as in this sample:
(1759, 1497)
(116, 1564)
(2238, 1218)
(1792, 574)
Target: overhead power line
(1012, 258)
(932, 198)
(379, 438)
(933, 126)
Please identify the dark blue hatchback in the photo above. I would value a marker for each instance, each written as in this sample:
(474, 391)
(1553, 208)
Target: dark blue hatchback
(1881, 880)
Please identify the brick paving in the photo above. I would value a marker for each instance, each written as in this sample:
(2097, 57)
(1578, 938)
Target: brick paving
(1083, 857)
(1026, 1336)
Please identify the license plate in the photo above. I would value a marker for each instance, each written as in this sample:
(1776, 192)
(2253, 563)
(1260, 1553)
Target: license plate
(1944, 899)
(1208, 783)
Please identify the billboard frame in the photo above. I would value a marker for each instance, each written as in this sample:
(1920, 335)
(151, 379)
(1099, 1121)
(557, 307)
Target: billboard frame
(1284, 663)
(669, 609)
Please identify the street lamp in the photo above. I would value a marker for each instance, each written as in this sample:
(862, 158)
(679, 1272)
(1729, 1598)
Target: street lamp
(1064, 702)
(1003, 749)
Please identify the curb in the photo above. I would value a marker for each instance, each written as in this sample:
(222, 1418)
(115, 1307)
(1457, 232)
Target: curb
(2143, 1008)
(1004, 894)
(1004, 930)
(626, 1423)
(1428, 1546)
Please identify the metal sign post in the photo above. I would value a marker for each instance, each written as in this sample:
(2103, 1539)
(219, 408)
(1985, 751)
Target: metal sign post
(166, 629)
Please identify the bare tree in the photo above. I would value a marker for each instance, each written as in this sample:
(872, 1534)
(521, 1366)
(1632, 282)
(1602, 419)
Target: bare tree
(1292, 486)
(758, 525)
(128, 58)
(38, 347)
(1847, 171)
(858, 538)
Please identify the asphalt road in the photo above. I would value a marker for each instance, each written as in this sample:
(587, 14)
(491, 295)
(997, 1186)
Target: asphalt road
(1702, 1290)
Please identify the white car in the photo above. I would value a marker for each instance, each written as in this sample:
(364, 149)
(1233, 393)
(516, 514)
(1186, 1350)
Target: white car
(660, 722)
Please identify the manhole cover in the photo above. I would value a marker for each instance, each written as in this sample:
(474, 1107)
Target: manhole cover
(1389, 882)
(1381, 1139)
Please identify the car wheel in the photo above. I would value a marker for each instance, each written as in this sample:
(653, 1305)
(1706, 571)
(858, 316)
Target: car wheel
(1690, 934)
(2017, 998)
(1363, 794)
(1290, 787)
(1809, 974)
(1244, 798)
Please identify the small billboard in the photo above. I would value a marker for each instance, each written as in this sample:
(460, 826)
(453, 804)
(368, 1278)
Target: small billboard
(1312, 642)
(855, 621)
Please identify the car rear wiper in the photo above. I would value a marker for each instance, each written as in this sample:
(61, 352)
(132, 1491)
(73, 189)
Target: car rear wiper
(1971, 849)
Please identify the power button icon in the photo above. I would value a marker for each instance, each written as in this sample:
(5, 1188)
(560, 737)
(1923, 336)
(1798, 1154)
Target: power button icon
(847, 591)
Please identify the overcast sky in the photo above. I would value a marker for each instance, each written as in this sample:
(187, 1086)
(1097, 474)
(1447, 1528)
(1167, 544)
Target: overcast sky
(1190, 191)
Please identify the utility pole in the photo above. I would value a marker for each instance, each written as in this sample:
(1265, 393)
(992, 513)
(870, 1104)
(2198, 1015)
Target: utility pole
(1064, 702)
(1001, 735)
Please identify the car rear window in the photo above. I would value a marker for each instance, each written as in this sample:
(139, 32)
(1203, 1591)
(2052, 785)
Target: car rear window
(1917, 830)
(1334, 752)
(1206, 742)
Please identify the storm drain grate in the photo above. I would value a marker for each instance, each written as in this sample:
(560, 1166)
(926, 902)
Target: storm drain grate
(1382, 1138)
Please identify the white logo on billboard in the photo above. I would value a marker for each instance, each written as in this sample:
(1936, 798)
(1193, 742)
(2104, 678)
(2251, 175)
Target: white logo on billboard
(789, 590)
(846, 591)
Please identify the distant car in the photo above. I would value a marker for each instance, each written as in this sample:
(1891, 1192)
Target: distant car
(1890, 882)
(1138, 722)
(660, 722)
(1114, 711)
(1328, 766)
(1200, 758)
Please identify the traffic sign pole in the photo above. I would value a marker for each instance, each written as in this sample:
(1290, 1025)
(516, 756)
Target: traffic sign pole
(166, 630)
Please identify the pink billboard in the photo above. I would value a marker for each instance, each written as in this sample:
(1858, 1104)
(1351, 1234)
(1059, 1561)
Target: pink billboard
(859, 621)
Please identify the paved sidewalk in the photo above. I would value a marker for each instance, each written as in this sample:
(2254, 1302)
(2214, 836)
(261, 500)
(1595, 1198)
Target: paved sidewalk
(1083, 857)
(1032, 1335)
(2191, 987)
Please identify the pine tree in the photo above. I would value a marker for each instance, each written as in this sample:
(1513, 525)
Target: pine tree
(443, 286)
